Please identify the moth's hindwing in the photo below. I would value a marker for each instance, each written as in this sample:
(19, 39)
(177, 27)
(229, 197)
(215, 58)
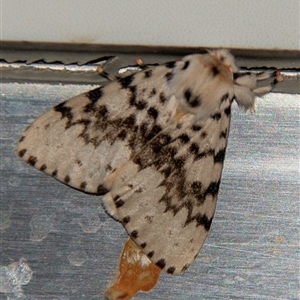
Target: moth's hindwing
(165, 196)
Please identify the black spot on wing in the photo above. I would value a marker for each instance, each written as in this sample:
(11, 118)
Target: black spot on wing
(148, 74)
(215, 71)
(22, 138)
(119, 203)
(149, 219)
(203, 135)
(194, 148)
(203, 220)
(83, 185)
(65, 111)
(152, 92)
(126, 81)
(134, 234)
(101, 189)
(32, 160)
(132, 98)
(160, 142)
(143, 245)
(200, 195)
(185, 268)
(213, 189)
(22, 152)
(192, 100)
(152, 112)
(95, 94)
(216, 116)
(150, 254)
(184, 138)
(171, 270)
(170, 64)
(108, 167)
(54, 173)
(228, 111)
(203, 154)
(161, 263)
(196, 187)
(126, 220)
(141, 104)
(220, 156)
(156, 129)
(67, 179)
(224, 97)
(196, 128)
(162, 98)
(223, 134)
(186, 65)
(43, 167)
(143, 130)
(139, 190)
(169, 76)
(122, 135)
(129, 122)
(102, 111)
(187, 95)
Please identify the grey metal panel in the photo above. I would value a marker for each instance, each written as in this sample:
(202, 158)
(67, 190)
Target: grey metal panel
(72, 245)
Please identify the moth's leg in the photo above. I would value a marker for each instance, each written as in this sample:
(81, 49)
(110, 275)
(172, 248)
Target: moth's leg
(107, 76)
(250, 80)
(277, 77)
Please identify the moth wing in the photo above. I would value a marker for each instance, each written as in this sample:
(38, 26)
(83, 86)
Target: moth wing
(82, 140)
(166, 195)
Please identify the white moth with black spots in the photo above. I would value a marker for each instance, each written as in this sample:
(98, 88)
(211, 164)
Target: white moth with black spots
(154, 143)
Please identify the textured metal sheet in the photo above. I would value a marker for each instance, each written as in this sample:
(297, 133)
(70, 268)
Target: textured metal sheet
(72, 246)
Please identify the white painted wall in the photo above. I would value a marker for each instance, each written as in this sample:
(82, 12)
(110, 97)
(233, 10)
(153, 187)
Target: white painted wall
(254, 24)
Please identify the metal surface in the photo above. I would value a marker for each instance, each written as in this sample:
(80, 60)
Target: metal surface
(72, 246)
(81, 67)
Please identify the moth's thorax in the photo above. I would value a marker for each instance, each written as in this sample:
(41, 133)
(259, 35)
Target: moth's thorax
(200, 84)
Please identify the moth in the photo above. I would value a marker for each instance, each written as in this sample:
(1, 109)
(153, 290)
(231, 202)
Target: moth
(153, 143)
